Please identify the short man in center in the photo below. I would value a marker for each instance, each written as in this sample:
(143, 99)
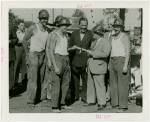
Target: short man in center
(97, 68)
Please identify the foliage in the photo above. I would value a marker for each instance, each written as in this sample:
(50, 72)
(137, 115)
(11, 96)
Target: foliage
(13, 19)
(113, 12)
(78, 13)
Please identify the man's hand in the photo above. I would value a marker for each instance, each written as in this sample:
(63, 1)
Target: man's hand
(57, 70)
(125, 69)
(73, 48)
(89, 52)
(49, 64)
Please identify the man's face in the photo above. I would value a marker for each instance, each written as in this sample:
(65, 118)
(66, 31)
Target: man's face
(116, 30)
(83, 26)
(64, 28)
(21, 26)
(44, 20)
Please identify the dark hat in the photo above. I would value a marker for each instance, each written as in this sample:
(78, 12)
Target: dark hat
(58, 18)
(43, 13)
(118, 22)
(64, 21)
(99, 29)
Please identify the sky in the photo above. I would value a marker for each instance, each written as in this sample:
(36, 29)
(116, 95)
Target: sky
(131, 17)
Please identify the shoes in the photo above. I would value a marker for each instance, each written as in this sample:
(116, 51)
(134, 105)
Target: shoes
(88, 104)
(56, 110)
(121, 110)
(76, 99)
(101, 107)
(66, 107)
(30, 104)
(113, 107)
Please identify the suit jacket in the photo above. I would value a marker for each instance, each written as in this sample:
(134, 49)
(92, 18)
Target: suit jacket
(100, 52)
(14, 41)
(80, 59)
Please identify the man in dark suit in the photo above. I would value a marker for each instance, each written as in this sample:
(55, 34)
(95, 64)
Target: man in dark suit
(12, 53)
(81, 38)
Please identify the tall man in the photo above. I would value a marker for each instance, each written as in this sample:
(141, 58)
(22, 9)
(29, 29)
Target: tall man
(46, 86)
(36, 55)
(60, 75)
(97, 68)
(119, 67)
(81, 38)
(20, 54)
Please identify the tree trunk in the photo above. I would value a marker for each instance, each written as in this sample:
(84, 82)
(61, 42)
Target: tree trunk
(122, 15)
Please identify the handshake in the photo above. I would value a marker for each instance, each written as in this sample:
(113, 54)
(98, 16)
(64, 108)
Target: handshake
(81, 49)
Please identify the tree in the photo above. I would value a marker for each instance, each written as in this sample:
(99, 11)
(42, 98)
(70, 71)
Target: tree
(78, 13)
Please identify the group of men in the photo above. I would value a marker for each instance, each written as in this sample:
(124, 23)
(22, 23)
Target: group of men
(56, 63)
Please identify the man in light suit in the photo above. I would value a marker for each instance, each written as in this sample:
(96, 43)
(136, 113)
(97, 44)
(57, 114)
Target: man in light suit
(97, 68)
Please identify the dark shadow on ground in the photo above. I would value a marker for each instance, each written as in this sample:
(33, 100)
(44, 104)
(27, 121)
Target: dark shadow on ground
(17, 90)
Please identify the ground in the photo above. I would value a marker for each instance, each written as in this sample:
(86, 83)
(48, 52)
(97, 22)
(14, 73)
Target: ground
(17, 104)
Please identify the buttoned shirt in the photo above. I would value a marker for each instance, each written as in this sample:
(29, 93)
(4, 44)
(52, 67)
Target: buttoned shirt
(20, 35)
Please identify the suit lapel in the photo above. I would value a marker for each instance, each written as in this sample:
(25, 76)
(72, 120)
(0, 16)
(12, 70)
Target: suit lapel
(98, 43)
(86, 35)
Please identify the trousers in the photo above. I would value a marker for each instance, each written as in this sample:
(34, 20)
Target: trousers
(36, 70)
(96, 88)
(20, 63)
(76, 73)
(11, 74)
(119, 82)
(46, 85)
(60, 83)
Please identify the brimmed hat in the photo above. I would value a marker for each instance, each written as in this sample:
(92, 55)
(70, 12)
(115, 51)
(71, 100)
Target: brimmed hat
(64, 21)
(99, 29)
(118, 22)
(58, 18)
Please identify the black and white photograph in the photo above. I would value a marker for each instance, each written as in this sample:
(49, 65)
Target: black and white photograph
(83, 60)
(75, 61)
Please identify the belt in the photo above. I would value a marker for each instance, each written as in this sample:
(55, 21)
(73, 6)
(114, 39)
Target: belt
(116, 57)
(57, 54)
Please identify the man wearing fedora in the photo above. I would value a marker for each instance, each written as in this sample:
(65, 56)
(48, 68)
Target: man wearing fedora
(60, 70)
(38, 34)
(46, 86)
(83, 39)
(97, 68)
(119, 67)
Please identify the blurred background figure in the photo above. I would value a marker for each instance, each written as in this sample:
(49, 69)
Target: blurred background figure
(20, 62)
(136, 79)
(12, 53)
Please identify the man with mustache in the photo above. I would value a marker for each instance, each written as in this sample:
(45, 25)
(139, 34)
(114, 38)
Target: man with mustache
(81, 38)
(119, 67)
(36, 55)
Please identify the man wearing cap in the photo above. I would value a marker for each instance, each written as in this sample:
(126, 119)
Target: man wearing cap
(36, 55)
(46, 86)
(81, 38)
(119, 67)
(60, 71)
(97, 68)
